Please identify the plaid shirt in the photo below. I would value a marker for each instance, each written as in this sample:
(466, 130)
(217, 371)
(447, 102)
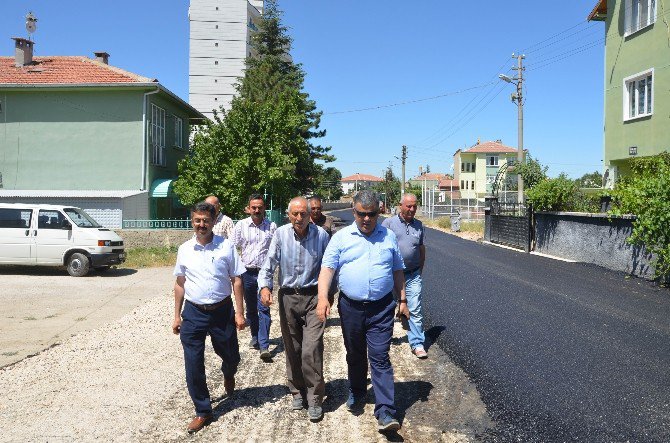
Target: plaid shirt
(253, 240)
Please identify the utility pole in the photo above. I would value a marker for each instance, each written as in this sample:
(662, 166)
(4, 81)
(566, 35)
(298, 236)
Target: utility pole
(403, 158)
(519, 102)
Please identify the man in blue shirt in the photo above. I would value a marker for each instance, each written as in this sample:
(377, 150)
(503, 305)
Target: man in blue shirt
(297, 248)
(410, 234)
(369, 264)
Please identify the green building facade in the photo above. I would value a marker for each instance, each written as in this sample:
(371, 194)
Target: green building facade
(637, 81)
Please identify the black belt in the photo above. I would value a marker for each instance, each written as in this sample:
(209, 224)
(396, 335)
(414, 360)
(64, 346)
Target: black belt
(366, 302)
(211, 306)
(409, 271)
(306, 290)
(253, 270)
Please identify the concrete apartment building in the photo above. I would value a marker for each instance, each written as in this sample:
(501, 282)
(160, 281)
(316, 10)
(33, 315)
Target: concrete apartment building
(220, 41)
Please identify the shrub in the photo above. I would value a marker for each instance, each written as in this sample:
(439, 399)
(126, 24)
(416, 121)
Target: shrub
(646, 193)
(562, 194)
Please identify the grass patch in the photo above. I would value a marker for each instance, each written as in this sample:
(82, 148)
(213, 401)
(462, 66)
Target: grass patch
(10, 353)
(476, 226)
(80, 319)
(50, 316)
(29, 318)
(156, 256)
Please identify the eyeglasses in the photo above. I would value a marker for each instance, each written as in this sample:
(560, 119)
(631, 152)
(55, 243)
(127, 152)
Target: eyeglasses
(371, 214)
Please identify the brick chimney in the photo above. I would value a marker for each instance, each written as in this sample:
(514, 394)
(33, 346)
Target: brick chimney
(102, 57)
(23, 51)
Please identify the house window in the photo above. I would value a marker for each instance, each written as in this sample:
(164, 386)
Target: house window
(462, 167)
(473, 167)
(157, 136)
(491, 160)
(467, 167)
(472, 186)
(638, 95)
(639, 14)
(178, 132)
(462, 185)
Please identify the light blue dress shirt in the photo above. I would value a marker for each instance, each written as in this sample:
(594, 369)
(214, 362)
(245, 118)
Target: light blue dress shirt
(365, 264)
(299, 260)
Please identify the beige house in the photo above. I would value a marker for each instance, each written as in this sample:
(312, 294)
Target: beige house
(476, 168)
(358, 181)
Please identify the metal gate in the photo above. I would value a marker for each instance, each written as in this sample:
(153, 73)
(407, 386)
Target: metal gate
(509, 224)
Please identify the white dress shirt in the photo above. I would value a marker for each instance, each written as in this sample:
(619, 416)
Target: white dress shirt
(253, 240)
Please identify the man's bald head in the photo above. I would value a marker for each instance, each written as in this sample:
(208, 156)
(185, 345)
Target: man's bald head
(214, 201)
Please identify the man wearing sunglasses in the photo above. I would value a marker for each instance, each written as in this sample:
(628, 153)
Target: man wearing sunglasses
(410, 234)
(369, 264)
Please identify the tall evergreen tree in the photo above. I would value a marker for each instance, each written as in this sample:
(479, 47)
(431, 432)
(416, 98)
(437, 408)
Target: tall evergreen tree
(271, 76)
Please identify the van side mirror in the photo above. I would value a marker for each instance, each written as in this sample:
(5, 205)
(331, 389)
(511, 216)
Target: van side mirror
(66, 225)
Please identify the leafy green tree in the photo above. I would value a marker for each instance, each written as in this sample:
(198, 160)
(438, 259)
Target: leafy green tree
(591, 180)
(328, 183)
(252, 149)
(389, 187)
(532, 172)
(646, 194)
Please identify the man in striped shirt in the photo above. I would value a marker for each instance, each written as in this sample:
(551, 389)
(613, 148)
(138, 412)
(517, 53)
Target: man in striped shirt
(297, 248)
(253, 235)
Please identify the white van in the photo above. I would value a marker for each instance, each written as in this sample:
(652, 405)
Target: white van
(53, 235)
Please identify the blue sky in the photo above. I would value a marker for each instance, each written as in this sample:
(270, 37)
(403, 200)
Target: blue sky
(362, 54)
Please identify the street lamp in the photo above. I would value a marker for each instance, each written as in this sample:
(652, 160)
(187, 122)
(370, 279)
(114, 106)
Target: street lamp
(518, 98)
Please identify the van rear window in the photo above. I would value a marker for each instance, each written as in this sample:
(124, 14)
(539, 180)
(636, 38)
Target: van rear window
(15, 218)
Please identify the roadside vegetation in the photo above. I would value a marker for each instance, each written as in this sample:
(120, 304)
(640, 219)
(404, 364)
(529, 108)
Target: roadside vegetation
(645, 192)
(151, 257)
(474, 226)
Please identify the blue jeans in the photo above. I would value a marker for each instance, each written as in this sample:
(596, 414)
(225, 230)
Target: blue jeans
(258, 316)
(195, 326)
(413, 284)
(367, 329)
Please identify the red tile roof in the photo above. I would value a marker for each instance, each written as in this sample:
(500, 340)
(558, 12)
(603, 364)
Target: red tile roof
(362, 177)
(430, 176)
(448, 184)
(490, 147)
(65, 70)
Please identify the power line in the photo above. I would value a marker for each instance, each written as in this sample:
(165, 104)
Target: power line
(408, 102)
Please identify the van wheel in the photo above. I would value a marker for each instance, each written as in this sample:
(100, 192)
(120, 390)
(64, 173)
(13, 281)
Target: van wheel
(78, 265)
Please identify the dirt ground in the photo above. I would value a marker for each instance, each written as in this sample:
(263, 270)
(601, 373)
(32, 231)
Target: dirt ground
(121, 377)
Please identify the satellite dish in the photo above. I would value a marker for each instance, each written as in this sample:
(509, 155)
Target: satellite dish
(31, 23)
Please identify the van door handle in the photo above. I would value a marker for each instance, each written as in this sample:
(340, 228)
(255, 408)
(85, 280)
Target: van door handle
(35, 232)
(27, 232)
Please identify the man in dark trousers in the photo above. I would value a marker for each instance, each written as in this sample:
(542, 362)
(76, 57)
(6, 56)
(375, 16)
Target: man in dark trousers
(208, 272)
(370, 266)
(297, 249)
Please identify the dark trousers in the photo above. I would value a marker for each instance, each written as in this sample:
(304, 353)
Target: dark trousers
(220, 325)
(258, 316)
(302, 332)
(367, 329)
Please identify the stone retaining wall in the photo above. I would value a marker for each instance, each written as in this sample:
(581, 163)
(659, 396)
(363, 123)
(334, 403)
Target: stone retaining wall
(592, 238)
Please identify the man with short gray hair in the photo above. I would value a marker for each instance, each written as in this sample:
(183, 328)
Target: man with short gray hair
(410, 234)
(297, 248)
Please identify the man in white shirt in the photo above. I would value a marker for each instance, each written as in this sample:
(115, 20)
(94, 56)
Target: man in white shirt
(208, 270)
(223, 225)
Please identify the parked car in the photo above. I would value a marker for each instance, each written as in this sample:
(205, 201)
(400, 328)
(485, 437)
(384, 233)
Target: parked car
(51, 235)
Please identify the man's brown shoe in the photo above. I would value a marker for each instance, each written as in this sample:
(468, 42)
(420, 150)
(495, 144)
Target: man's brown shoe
(198, 423)
(229, 385)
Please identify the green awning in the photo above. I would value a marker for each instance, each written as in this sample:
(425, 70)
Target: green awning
(162, 187)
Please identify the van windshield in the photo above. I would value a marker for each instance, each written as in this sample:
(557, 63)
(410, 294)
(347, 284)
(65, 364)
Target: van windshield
(80, 218)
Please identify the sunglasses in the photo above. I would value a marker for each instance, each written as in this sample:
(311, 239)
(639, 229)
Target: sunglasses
(370, 214)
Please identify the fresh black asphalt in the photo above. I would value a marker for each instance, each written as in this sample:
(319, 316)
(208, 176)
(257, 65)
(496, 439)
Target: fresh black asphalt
(559, 351)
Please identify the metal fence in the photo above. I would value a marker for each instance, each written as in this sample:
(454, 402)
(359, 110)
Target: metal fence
(438, 204)
(273, 215)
